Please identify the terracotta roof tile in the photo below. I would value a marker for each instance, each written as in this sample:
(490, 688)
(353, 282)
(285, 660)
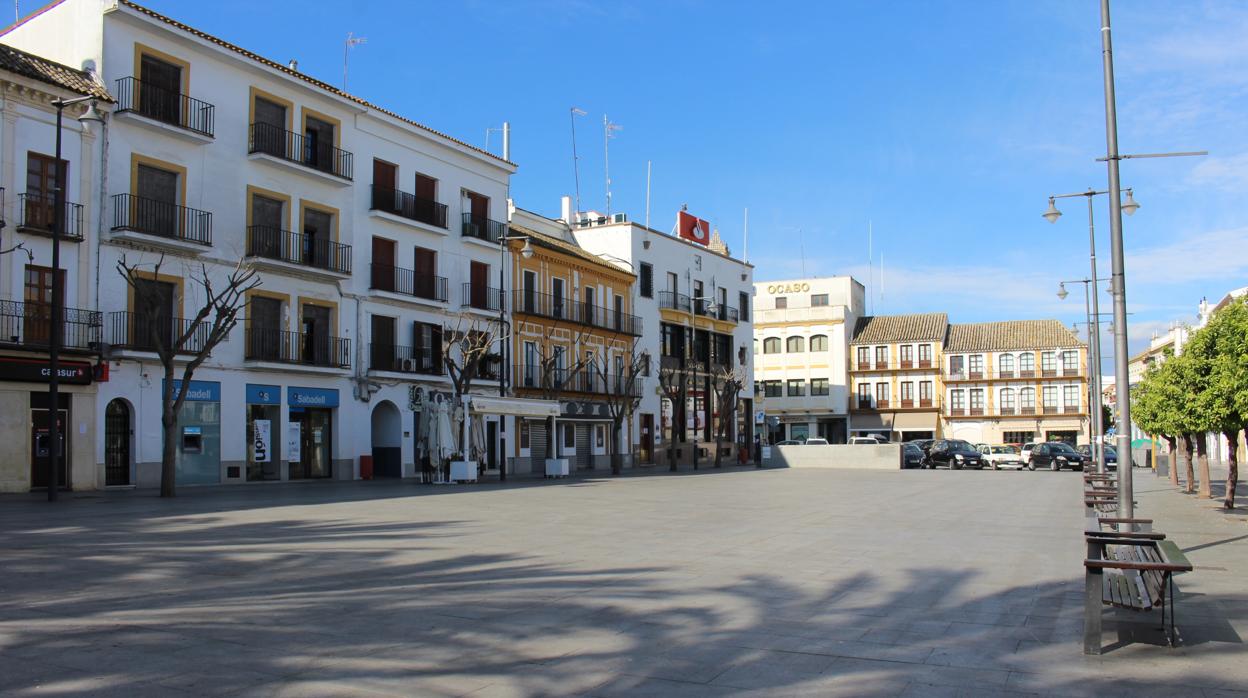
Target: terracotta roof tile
(301, 76)
(51, 72)
(549, 242)
(1010, 335)
(884, 329)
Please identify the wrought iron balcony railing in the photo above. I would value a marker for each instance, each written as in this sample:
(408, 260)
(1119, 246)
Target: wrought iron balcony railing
(29, 325)
(383, 277)
(37, 211)
(296, 248)
(401, 359)
(300, 149)
(165, 106)
(407, 205)
(144, 332)
(483, 228)
(482, 297)
(314, 348)
(162, 219)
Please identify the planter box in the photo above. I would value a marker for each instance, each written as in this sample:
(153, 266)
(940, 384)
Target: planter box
(556, 467)
(463, 471)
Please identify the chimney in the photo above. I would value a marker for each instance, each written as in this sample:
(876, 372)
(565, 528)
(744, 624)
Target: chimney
(565, 207)
(507, 141)
(293, 64)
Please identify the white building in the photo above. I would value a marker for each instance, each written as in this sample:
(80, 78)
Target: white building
(694, 303)
(371, 233)
(28, 85)
(802, 329)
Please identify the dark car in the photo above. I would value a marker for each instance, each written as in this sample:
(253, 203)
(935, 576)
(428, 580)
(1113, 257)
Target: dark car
(923, 445)
(1056, 455)
(955, 454)
(1111, 455)
(912, 455)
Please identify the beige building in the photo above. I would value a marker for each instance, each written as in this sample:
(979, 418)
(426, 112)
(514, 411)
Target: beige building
(895, 371)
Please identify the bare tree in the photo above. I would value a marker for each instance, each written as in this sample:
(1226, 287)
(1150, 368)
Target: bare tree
(467, 348)
(728, 383)
(621, 390)
(674, 382)
(195, 337)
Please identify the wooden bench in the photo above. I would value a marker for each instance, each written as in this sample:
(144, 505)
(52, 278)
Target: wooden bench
(1130, 570)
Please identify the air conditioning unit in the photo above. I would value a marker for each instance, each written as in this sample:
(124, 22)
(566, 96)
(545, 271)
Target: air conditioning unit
(619, 218)
(408, 365)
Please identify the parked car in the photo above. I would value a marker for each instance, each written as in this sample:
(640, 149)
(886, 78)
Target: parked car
(1000, 456)
(816, 442)
(1025, 451)
(1055, 455)
(867, 440)
(912, 456)
(788, 442)
(955, 454)
(1111, 455)
(923, 444)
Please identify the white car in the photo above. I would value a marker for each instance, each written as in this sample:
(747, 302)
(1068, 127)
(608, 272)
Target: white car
(1025, 452)
(816, 442)
(1001, 456)
(864, 441)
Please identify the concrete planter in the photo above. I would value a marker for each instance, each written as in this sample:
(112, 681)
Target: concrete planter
(463, 471)
(556, 467)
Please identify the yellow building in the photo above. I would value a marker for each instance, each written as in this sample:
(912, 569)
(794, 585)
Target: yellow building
(573, 339)
(895, 375)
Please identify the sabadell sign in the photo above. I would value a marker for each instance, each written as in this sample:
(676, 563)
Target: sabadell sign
(800, 287)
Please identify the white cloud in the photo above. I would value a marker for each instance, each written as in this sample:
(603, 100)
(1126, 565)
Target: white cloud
(1229, 173)
(1218, 254)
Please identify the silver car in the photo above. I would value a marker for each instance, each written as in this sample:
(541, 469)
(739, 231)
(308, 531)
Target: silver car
(1002, 457)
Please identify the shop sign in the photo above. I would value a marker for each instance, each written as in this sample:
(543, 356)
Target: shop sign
(311, 397)
(263, 394)
(760, 417)
(260, 443)
(40, 371)
(576, 408)
(199, 391)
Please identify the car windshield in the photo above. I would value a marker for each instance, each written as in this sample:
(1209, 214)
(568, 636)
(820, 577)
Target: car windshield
(912, 447)
(1004, 449)
(1111, 451)
(1061, 447)
(962, 446)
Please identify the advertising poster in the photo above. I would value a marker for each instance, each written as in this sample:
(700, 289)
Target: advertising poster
(293, 443)
(260, 446)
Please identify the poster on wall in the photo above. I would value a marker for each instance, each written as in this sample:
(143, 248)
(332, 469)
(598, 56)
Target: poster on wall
(260, 443)
(294, 442)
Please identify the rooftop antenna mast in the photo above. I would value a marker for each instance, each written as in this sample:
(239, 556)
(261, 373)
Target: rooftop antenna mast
(351, 42)
(576, 170)
(745, 243)
(647, 194)
(801, 246)
(870, 267)
(608, 132)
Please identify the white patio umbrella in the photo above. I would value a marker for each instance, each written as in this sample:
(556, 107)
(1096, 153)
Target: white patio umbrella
(446, 436)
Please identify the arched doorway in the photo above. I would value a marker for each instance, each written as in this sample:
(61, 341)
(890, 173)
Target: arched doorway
(387, 440)
(117, 434)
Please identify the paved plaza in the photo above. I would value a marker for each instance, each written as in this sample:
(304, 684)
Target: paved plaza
(734, 582)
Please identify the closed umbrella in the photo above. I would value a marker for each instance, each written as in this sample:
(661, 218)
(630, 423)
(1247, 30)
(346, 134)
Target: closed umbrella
(446, 435)
(478, 439)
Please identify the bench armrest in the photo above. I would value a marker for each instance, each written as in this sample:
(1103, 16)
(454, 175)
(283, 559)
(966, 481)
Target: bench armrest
(1116, 520)
(1126, 536)
(1142, 566)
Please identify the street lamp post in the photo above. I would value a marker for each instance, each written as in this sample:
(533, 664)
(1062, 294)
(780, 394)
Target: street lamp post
(1096, 423)
(91, 115)
(527, 253)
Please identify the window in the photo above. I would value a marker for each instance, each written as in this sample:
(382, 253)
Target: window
(795, 345)
(1070, 397)
(673, 283)
(957, 399)
(673, 337)
(864, 357)
(955, 365)
(772, 389)
(1027, 398)
(819, 342)
(1048, 362)
(977, 399)
(318, 143)
(1027, 363)
(699, 305)
(529, 292)
(925, 354)
(524, 433)
(881, 357)
(1006, 363)
(819, 387)
(41, 190)
(569, 436)
(1070, 361)
(797, 388)
(881, 394)
(818, 300)
(976, 364)
(159, 195)
(757, 347)
(743, 300)
(907, 392)
(864, 394)
(907, 354)
(315, 247)
(532, 366)
(771, 345)
(160, 94)
(781, 302)
(426, 191)
(1007, 399)
(1050, 396)
(645, 279)
(556, 297)
(382, 350)
(925, 392)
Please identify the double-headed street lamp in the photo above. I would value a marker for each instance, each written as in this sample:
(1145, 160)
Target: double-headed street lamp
(1096, 423)
(1093, 312)
(91, 115)
(527, 253)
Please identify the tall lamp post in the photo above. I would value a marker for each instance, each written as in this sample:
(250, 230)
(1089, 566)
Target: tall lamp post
(527, 253)
(91, 115)
(1094, 363)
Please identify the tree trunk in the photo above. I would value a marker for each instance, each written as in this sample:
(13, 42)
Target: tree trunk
(551, 438)
(719, 438)
(1232, 467)
(1189, 485)
(1202, 457)
(168, 450)
(616, 465)
(1171, 465)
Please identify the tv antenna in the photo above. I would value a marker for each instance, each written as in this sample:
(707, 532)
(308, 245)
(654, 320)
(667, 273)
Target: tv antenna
(576, 171)
(608, 132)
(351, 42)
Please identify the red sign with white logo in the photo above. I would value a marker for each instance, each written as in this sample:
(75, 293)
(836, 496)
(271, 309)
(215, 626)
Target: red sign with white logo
(693, 228)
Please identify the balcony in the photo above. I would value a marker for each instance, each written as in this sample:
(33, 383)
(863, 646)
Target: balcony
(881, 365)
(907, 404)
(165, 106)
(484, 229)
(142, 332)
(557, 308)
(29, 326)
(408, 206)
(383, 277)
(530, 377)
(977, 411)
(297, 249)
(905, 363)
(480, 297)
(295, 148)
(674, 301)
(881, 403)
(37, 213)
(310, 349)
(975, 375)
(925, 402)
(185, 227)
(925, 363)
(1027, 409)
(400, 359)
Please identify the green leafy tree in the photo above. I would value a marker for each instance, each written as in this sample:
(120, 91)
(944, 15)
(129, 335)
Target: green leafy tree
(1221, 348)
(1184, 379)
(1152, 410)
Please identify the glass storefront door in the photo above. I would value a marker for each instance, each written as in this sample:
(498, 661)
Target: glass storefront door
(315, 447)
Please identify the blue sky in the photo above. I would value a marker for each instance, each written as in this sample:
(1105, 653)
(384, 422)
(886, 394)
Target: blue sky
(943, 125)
